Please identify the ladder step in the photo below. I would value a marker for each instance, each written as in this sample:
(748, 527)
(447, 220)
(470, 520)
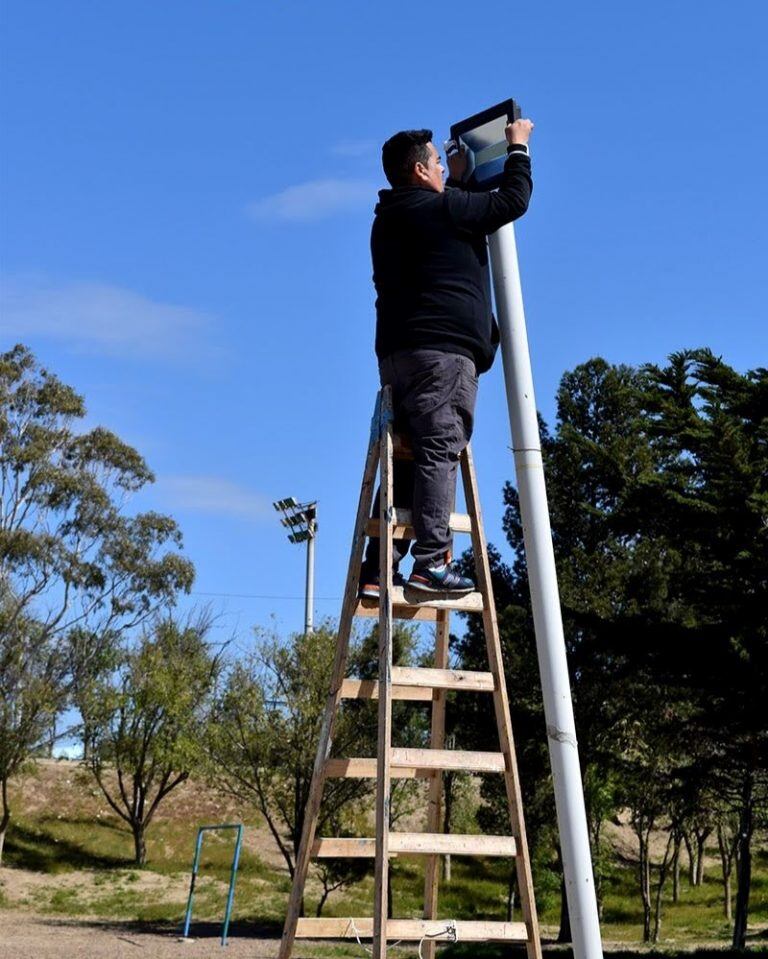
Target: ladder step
(419, 684)
(411, 604)
(474, 762)
(417, 843)
(402, 527)
(365, 768)
(417, 763)
(414, 929)
(369, 689)
(457, 679)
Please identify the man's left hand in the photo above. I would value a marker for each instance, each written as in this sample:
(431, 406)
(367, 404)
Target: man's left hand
(457, 163)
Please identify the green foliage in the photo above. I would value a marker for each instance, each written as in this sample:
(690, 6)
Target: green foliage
(268, 718)
(75, 571)
(147, 720)
(658, 490)
(268, 721)
(67, 552)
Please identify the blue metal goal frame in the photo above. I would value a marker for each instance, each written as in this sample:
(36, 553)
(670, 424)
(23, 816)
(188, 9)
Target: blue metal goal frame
(232, 876)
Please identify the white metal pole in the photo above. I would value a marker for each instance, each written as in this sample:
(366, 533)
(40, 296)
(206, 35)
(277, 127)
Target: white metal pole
(545, 599)
(309, 596)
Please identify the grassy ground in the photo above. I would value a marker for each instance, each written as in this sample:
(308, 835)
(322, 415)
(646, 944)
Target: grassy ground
(67, 854)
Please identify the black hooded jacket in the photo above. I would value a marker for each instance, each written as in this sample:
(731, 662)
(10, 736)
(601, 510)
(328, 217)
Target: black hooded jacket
(430, 264)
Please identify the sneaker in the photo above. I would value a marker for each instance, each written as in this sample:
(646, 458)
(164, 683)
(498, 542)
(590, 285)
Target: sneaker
(369, 584)
(440, 579)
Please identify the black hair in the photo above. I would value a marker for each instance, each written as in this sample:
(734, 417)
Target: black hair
(402, 152)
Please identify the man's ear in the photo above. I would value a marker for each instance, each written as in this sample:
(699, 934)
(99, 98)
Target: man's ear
(420, 173)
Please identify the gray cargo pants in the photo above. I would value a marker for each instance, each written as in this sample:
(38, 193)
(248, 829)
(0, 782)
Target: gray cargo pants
(434, 402)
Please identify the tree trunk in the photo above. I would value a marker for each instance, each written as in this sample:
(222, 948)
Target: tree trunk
(663, 873)
(691, 859)
(5, 818)
(511, 894)
(701, 839)
(744, 869)
(564, 934)
(597, 861)
(645, 883)
(447, 810)
(657, 915)
(321, 903)
(139, 844)
(676, 868)
(726, 865)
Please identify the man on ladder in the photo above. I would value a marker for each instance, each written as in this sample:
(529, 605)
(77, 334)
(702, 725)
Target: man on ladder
(435, 331)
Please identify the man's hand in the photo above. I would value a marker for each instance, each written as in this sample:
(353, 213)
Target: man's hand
(518, 132)
(457, 162)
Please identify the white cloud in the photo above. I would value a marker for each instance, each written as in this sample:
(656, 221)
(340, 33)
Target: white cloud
(354, 148)
(212, 494)
(101, 318)
(315, 199)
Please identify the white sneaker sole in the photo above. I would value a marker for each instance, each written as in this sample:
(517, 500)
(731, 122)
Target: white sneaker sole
(425, 588)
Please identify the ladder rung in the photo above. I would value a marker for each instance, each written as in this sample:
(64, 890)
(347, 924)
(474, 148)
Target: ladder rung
(411, 604)
(414, 929)
(455, 679)
(417, 843)
(448, 759)
(402, 527)
(369, 689)
(365, 768)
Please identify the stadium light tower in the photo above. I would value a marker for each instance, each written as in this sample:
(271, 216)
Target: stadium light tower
(484, 140)
(301, 520)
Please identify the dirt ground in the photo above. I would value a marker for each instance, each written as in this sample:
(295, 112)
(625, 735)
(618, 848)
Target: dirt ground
(23, 936)
(27, 936)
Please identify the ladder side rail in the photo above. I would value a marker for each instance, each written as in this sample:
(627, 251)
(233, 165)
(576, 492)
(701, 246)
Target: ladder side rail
(384, 756)
(325, 742)
(501, 705)
(435, 794)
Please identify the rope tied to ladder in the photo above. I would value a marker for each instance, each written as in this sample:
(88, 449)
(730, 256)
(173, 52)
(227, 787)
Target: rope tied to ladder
(357, 936)
(450, 930)
(361, 944)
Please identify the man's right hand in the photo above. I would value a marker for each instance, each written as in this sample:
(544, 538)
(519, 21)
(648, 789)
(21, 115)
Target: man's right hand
(518, 132)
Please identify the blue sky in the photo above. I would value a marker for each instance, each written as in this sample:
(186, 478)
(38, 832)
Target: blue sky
(187, 189)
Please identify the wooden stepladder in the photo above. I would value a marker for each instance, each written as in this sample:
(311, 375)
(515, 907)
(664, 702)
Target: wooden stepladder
(420, 684)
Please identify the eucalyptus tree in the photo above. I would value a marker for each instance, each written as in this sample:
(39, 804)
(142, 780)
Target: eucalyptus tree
(148, 718)
(76, 569)
(33, 683)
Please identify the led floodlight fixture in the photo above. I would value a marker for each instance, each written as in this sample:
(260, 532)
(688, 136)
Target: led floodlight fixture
(300, 519)
(483, 137)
